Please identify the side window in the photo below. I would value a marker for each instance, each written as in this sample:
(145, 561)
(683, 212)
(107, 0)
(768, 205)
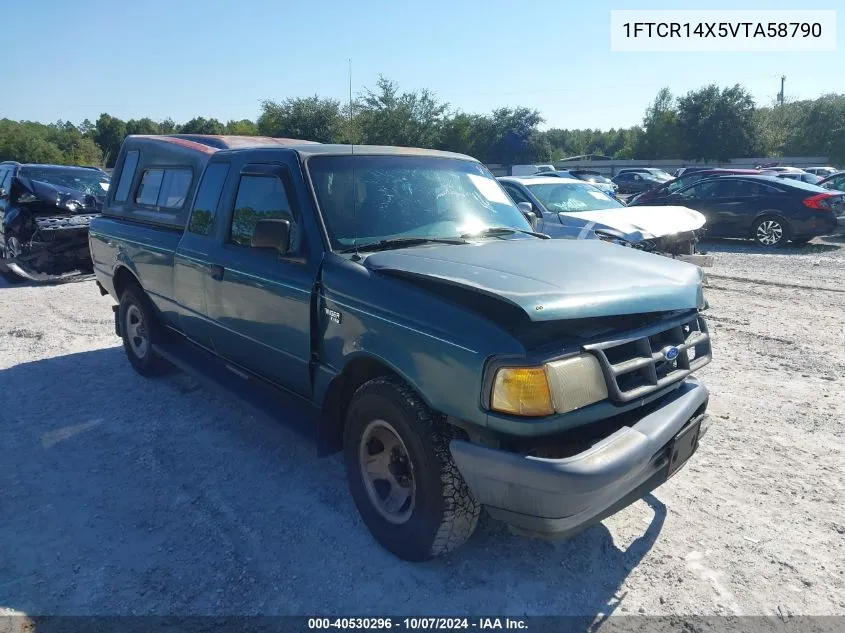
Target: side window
(174, 188)
(150, 186)
(164, 188)
(697, 192)
(5, 179)
(261, 198)
(762, 189)
(130, 163)
(745, 189)
(208, 196)
(515, 193)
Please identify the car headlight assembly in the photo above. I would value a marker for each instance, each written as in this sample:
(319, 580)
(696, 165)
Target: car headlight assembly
(557, 387)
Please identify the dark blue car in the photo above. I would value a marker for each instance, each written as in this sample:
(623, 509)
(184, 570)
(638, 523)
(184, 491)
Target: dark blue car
(767, 209)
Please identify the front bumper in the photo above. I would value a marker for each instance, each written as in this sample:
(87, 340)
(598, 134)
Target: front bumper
(560, 497)
(58, 249)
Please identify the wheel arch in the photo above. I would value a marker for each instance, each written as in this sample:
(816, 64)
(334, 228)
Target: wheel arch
(359, 369)
(770, 213)
(122, 277)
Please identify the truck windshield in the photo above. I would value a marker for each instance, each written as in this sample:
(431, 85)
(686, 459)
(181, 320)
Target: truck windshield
(572, 197)
(367, 199)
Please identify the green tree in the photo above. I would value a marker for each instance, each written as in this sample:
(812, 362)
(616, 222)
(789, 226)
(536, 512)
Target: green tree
(514, 137)
(661, 137)
(386, 116)
(815, 126)
(27, 142)
(465, 134)
(168, 126)
(109, 133)
(308, 119)
(244, 127)
(142, 126)
(716, 124)
(199, 125)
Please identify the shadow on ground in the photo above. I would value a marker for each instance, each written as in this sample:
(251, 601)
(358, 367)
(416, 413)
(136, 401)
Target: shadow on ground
(126, 496)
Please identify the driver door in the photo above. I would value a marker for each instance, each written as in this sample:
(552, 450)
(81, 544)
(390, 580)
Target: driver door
(258, 300)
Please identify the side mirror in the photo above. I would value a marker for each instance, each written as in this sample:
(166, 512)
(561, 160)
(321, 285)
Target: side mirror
(527, 210)
(272, 233)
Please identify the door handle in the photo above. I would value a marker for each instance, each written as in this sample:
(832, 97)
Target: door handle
(216, 271)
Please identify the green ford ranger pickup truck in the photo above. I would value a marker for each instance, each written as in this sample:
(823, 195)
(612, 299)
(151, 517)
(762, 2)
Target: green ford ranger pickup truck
(398, 303)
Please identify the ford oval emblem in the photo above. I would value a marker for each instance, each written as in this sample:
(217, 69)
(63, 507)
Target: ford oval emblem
(670, 353)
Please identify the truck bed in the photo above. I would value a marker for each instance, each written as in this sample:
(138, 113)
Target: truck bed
(147, 250)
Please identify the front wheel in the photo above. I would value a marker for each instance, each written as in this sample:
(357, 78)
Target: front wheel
(11, 249)
(403, 480)
(771, 232)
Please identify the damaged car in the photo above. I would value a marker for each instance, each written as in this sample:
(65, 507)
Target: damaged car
(45, 211)
(570, 208)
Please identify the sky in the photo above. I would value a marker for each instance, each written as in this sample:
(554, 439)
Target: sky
(220, 58)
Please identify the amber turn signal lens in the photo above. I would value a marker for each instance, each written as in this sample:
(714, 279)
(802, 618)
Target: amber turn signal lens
(522, 391)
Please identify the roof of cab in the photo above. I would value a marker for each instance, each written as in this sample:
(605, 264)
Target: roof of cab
(331, 149)
(211, 144)
(220, 141)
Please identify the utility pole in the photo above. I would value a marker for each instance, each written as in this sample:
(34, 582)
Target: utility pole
(780, 94)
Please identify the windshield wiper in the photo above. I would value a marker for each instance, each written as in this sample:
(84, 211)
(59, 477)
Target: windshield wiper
(495, 231)
(402, 242)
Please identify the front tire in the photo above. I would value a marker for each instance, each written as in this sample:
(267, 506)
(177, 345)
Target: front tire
(403, 480)
(771, 232)
(140, 331)
(11, 249)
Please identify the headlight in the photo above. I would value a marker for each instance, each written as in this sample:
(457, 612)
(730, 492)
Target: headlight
(576, 382)
(560, 386)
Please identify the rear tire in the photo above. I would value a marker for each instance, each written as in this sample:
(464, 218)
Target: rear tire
(140, 330)
(771, 231)
(403, 480)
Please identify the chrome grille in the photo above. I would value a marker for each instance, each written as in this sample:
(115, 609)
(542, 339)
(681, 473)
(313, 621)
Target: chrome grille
(637, 365)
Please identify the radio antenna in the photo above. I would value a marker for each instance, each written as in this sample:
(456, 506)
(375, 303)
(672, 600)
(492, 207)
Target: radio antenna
(357, 255)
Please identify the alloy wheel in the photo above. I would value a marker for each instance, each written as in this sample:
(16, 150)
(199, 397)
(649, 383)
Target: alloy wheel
(769, 232)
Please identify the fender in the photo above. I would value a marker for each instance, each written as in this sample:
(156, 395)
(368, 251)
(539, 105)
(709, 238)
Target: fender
(333, 392)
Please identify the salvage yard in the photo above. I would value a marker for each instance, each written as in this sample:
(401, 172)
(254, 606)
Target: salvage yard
(122, 495)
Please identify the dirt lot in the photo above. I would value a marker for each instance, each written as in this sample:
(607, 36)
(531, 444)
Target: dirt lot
(120, 495)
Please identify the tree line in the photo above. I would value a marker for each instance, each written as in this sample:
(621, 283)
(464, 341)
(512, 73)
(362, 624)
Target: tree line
(708, 124)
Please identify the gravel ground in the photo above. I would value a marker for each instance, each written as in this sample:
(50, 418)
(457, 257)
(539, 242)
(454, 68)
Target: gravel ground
(122, 495)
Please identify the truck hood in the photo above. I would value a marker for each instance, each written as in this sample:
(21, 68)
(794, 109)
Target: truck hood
(554, 279)
(639, 223)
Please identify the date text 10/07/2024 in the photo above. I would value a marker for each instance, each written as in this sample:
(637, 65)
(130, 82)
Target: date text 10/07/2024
(418, 624)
